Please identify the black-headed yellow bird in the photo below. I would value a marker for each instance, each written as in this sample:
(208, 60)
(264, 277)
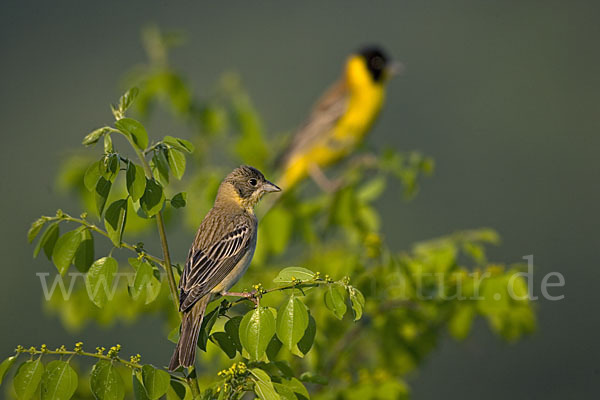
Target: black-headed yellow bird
(220, 254)
(341, 118)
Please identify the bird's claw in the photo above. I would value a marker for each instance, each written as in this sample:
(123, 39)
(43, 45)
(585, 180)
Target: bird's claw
(252, 295)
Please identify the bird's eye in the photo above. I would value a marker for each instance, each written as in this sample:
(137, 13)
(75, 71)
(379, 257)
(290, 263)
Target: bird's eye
(253, 181)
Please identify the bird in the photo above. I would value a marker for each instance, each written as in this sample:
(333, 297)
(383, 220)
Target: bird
(340, 119)
(220, 254)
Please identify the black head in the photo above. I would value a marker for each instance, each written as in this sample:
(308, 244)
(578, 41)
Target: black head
(376, 61)
(250, 184)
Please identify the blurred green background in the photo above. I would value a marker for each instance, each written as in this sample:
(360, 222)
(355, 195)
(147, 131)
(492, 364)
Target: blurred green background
(504, 96)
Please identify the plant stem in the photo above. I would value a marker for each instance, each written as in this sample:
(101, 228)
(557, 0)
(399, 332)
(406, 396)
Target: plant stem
(161, 230)
(83, 353)
(193, 384)
(59, 352)
(93, 227)
(293, 285)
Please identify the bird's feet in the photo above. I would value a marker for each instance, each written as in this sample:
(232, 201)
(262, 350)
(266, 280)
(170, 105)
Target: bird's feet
(319, 177)
(252, 296)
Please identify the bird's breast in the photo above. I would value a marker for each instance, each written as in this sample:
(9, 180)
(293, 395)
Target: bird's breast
(363, 107)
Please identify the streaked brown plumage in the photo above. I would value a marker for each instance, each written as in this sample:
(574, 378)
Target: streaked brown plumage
(220, 254)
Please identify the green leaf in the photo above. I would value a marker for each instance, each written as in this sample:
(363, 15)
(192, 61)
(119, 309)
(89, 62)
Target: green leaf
(134, 129)
(461, 321)
(153, 199)
(65, 249)
(127, 99)
(256, 329)
(91, 176)
(297, 387)
(106, 382)
(314, 378)
(99, 280)
(358, 302)
(179, 391)
(287, 275)
(292, 320)
(84, 256)
(176, 162)
(305, 344)
(179, 200)
(109, 167)
(284, 367)
(108, 145)
(273, 348)
(226, 344)
(160, 165)
(284, 392)
(335, 299)
(35, 228)
(136, 181)
(102, 190)
(48, 240)
(179, 144)
(155, 381)
(5, 366)
(371, 190)
(139, 392)
(173, 336)
(232, 328)
(27, 379)
(207, 324)
(115, 219)
(145, 280)
(59, 381)
(94, 136)
(263, 387)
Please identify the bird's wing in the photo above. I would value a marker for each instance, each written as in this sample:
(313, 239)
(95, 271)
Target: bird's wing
(326, 113)
(206, 268)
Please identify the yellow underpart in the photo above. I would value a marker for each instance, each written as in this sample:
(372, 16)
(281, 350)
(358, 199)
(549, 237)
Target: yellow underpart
(366, 99)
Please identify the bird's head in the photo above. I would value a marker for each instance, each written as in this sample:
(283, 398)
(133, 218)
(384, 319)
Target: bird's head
(372, 63)
(245, 185)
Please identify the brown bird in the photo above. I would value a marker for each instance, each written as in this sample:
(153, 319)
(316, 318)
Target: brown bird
(220, 254)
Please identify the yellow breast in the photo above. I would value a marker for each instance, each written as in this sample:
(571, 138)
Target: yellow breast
(365, 98)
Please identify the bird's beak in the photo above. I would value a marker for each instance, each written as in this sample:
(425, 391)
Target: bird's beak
(394, 68)
(269, 187)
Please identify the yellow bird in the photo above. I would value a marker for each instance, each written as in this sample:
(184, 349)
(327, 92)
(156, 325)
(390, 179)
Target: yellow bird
(340, 119)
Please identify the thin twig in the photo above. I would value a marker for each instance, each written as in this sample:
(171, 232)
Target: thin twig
(93, 227)
(161, 229)
(82, 353)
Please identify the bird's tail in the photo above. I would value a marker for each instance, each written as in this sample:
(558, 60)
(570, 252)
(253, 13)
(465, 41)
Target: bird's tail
(185, 352)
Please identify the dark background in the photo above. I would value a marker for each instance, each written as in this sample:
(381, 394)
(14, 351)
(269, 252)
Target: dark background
(504, 96)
